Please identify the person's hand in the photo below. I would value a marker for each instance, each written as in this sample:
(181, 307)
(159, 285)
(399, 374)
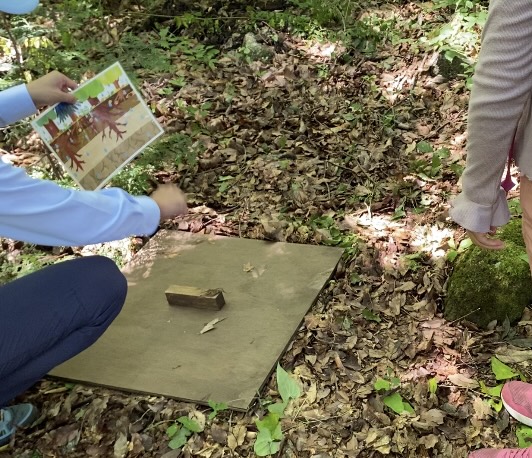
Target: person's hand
(51, 88)
(171, 201)
(483, 241)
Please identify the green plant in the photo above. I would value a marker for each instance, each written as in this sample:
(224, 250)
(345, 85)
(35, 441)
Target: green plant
(414, 261)
(432, 385)
(196, 112)
(216, 407)
(269, 427)
(524, 435)
(323, 71)
(454, 251)
(365, 35)
(329, 13)
(300, 24)
(134, 178)
(430, 168)
(179, 432)
(399, 211)
(392, 399)
(501, 370)
(196, 53)
(25, 262)
(328, 228)
(224, 183)
(174, 150)
(187, 19)
(459, 39)
(515, 207)
(371, 316)
(355, 111)
(493, 393)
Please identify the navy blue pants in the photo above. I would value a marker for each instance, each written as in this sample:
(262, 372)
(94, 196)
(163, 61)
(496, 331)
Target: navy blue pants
(51, 315)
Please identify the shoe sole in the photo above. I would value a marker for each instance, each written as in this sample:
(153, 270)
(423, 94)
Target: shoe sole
(518, 416)
(7, 431)
(21, 422)
(28, 419)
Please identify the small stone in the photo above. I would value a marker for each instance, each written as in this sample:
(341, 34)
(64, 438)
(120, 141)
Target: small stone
(255, 50)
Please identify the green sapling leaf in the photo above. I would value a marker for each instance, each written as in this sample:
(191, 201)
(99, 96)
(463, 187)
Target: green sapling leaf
(277, 408)
(424, 147)
(408, 408)
(381, 384)
(179, 439)
(270, 422)
(395, 402)
(288, 387)
(524, 436)
(370, 316)
(265, 445)
(190, 424)
(495, 405)
(494, 391)
(172, 430)
(216, 407)
(501, 370)
(433, 385)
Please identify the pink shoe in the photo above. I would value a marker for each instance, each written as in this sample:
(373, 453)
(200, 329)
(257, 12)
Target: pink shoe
(517, 398)
(501, 453)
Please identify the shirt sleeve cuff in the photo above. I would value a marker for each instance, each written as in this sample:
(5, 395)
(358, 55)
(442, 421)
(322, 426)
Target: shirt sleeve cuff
(480, 218)
(153, 214)
(16, 104)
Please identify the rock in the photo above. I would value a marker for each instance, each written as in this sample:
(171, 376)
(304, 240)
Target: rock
(497, 283)
(254, 50)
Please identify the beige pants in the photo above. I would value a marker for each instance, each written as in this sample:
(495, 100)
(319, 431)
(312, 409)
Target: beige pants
(525, 189)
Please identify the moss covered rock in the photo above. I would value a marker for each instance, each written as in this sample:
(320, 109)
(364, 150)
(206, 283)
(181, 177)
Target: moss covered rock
(489, 285)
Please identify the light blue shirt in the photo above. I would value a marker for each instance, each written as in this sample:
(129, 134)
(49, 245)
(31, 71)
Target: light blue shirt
(42, 212)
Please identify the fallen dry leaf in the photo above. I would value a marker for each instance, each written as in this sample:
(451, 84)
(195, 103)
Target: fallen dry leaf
(462, 381)
(237, 436)
(211, 325)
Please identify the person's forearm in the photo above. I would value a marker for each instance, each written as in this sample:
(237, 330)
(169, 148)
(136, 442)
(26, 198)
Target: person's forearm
(15, 104)
(42, 212)
(501, 86)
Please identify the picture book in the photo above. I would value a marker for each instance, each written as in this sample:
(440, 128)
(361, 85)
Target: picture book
(97, 136)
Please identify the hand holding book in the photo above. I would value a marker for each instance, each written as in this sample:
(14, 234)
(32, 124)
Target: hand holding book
(52, 88)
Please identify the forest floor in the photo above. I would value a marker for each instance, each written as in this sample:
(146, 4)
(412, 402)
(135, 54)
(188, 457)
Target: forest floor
(310, 143)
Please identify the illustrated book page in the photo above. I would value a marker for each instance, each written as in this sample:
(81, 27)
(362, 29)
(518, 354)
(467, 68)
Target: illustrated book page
(97, 136)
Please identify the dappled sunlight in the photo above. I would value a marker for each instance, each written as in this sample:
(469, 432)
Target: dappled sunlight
(323, 50)
(400, 237)
(431, 239)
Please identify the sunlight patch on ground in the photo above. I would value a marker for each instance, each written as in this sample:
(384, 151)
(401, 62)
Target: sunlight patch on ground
(324, 50)
(119, 251)
(430, 239)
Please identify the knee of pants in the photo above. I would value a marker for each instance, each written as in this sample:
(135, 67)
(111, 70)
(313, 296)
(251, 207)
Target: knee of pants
(104, 287)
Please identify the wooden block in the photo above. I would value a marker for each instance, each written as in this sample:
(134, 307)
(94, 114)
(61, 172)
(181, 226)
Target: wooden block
(189, 296)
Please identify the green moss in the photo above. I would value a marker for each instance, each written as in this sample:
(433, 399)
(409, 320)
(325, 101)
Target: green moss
(489, 285)
(511, 232)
